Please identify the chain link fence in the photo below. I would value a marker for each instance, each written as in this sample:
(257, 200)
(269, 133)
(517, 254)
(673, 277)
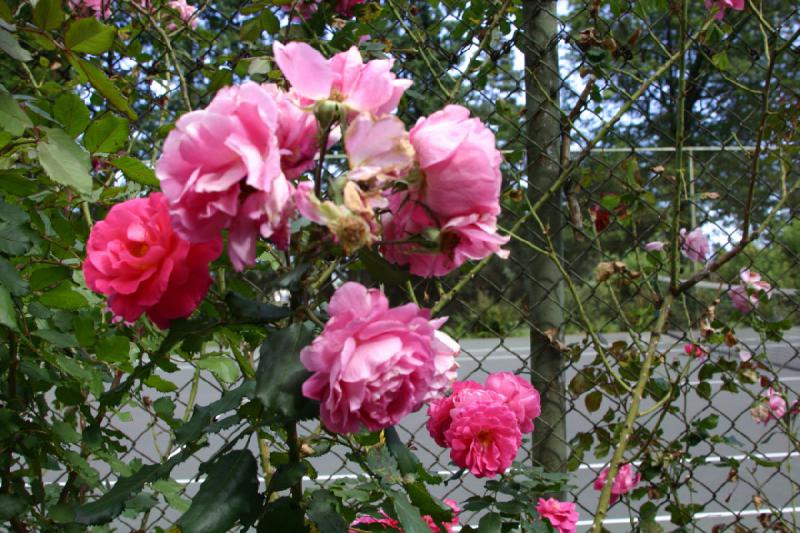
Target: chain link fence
(571, 91)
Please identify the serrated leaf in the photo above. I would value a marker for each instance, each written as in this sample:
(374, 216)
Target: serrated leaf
(224, 368)
(48, 14)
(89, 35)
(136, 171)
(15, 183)
(11, 280)
(10, 45)
(14, 240)
(407, 514)
(286, 475)
(203, 416)
(104, 86)
(12, 118)
(227, 496)
(113, 349)
(280, 374)
(323, 512)
(63, 297)
(8, 314)
(160, 384)
(72, 113)
(64, 161)
(106, 135)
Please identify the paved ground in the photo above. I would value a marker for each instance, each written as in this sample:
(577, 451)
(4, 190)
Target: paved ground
(710, 485)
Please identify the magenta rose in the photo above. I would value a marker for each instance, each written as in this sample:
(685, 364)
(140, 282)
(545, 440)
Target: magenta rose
(216, 160)
(374, 364)
(561, 515)
(520, 397)
(137, 260)
(439, 410)
(625, 481)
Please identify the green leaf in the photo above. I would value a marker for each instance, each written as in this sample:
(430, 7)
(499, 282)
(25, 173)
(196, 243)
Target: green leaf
(203, 416)
(408, 515)
(12, 505)
(160, 384)
(180, 330)
(63, 297)
(381, 270)
(223, 367)
(721, 61)
(136, 171)
(323, 512)
(48, 14)
(12, 118)
(64, 161)
(287, 513)
(62, 340)
(45, 277)
(15, 183)
(72, 113)
(228, 495)
(11, 280)
(593, 400)
(104, 86)
(490, 523)
(8, 314)
(112, 503)
(113, 349)
(106, 135)
(10, 45)
(255, 311)
(286, 475)
(90, 36)
(280, 374)
(66, 432)
(14, 240)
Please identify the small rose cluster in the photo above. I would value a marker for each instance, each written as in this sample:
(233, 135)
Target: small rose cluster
(563, 516)
(772, 406)
(624, 482)
(372, 365)
(101, 9)
(747, 296)
(483, 424)
(386, 522)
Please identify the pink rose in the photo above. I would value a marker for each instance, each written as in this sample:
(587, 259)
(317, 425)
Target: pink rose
(457, 240)
(387, 522)
(221, 168)
(362, 87)
(303, 9)
(345, 7)
(654, 246)
(624, 482)
(747, 296)
(461, 164)
(484, 437)
(448, 526)
(373, 364)
(694, 350)
(377, 148)
(297, 133)
(463, 392)
(561, 515)
(101, 9)
(137, 260)
(520, 397)
(185, 11)
(772, 406)
(723, 5)
(694, 245)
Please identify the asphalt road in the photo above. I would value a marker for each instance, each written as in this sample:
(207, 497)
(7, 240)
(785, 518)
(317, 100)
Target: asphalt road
(724, 499)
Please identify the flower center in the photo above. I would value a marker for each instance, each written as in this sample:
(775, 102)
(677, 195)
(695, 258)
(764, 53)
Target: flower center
(138, 249)
(485, 438)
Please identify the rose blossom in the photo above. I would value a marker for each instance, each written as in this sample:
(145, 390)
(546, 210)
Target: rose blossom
(135, 258)
(561, 515)
(297, 133)
(305, 9)
(185, 11)
(484, 437)
(772, 406)
(746, 297)
(377, 149)
(100, 8)
(464, 392)
(520, 397)
(364, 87)
(448, 526)
(457, 240)
(374, 364)
(221, 168)
(387, 522)
(654, 246)
(624, 482)
(723, 5)
(694, 350)
(694, 245)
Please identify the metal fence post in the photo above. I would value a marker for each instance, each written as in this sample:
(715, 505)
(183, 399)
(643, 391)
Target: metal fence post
(545, 291)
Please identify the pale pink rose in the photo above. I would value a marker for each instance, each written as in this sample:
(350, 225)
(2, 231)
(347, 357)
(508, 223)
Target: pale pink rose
(463, 392)
(624, 482)
(723, 5)
(459, 239)
(361, 87)
(520, 397)
(561, 515)
(185, 11)
(297, 133)
(694, 245)
(654, 246)
(772, 407)
(372, 364)
(745, 356)
(484, 437)
(216, 159)
(135, 258)
(460, 162)
(377, 148)
(101, 9)
(746, 297)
